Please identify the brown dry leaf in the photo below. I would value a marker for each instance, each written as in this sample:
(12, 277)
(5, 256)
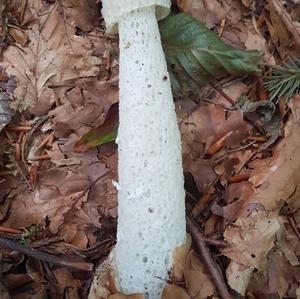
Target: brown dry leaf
(65, 278)
(277, 282)
(55, 56)
(209, 123)
(251, 238)
(19, 36)
(198, 282)
(179, 259)
(282, 16)
(256, 41)
(212, 12)
(278, 31)
(238, 277)
(276, 179)
(85, 106)
(56, 193)
(202, 171)
(59, 159)
(172, 291)
(274, 183)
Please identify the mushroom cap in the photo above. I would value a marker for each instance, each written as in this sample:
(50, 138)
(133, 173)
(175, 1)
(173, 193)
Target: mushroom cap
(113, 10)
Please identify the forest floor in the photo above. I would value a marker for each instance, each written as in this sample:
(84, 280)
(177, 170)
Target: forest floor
(240, 145)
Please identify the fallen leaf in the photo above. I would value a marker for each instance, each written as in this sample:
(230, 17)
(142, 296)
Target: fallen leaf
(179, 259)
(209, 123)
(55, 56)
(279, 32)
(198, 282)
(251, 239)
(274, 183)
(33, 207)
(212, 12)
(238, 277)
(107, 132)
(172, 291)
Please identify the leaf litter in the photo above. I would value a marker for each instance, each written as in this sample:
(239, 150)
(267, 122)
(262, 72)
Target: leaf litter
(240, 153)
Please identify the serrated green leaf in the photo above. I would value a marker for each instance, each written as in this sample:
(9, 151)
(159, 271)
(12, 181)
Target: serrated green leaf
(196, 55)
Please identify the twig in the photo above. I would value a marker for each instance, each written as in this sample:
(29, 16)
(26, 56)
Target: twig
(222, 93)
(217, 243)
(41, 157)
(9, 230)
(46, 257)
(209, 263)
(45, 141)
(239, 177)
(241, 147)
(20, 129)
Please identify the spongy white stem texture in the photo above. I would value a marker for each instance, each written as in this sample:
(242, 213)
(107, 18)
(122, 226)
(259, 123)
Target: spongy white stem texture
(151, 193)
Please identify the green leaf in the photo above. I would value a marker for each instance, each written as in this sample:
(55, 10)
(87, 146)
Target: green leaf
(196, 56)
(107, 132)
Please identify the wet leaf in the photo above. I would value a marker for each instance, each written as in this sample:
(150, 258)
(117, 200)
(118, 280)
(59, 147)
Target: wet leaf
(197, 56)
(105, 133)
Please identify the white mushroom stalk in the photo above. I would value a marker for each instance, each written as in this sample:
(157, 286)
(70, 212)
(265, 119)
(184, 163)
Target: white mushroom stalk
(151, 209)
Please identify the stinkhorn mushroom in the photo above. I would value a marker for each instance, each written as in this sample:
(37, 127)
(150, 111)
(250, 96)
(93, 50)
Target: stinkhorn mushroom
(151, 206)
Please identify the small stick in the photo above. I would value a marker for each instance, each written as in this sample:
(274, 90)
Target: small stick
(42, 157)
(45, 141)
(209, 263)
(219, 144)
(239, 177)
(18, 151)
(9, 230)
(218, 243)
(20, 129)
(5, 172)
(257, 138)
(222, 93)
(241, 147)
(20, 137)
(43, 256)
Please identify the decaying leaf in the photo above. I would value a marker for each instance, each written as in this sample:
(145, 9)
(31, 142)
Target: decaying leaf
(212, 12)
(196, 56)
(198, 282)
(105, 133)
(172, 291)
(209, 123)
(53, 58)
(274, 183)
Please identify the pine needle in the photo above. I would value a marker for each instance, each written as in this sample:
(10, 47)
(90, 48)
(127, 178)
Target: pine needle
(285, 80)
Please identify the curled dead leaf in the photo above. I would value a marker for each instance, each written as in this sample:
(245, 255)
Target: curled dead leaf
(198, 282)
